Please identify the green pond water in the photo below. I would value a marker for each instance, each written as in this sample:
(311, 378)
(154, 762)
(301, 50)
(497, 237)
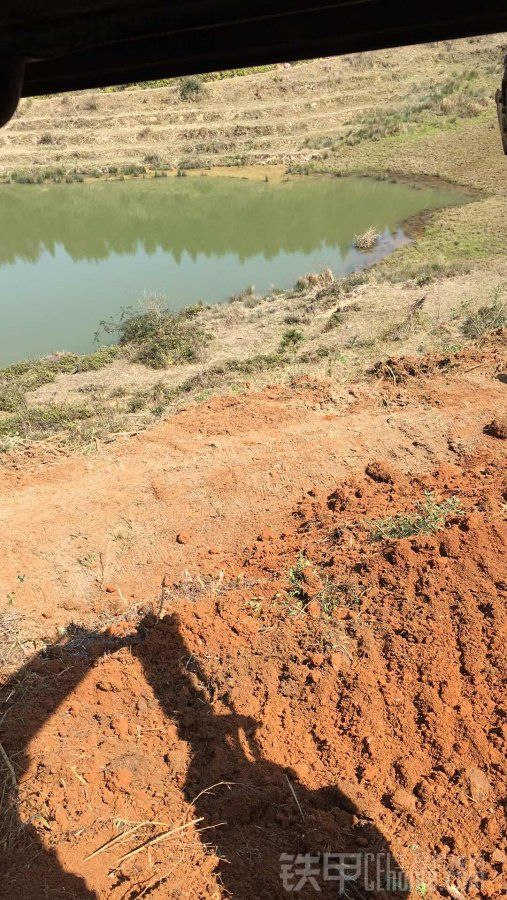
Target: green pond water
(74, 254)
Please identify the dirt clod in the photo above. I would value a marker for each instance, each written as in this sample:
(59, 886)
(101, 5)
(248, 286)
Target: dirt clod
(266, 535)
(403, 800)
(380, 471)
(480, 787)
(497, 428)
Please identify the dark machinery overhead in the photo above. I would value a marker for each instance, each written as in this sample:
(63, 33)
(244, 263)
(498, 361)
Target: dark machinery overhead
(62, 45)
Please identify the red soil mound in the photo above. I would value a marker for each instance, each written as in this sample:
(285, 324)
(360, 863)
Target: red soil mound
(334, 693)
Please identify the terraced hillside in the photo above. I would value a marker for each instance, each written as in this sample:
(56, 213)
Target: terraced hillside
(299, 114)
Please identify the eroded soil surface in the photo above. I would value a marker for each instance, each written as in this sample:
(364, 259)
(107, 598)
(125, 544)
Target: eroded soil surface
(236, 669)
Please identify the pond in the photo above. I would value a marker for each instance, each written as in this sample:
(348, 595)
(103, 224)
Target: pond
(74, 254)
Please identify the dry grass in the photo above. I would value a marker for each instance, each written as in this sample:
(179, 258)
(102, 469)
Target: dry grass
(367, 240)
(337, 109)
(13, 645)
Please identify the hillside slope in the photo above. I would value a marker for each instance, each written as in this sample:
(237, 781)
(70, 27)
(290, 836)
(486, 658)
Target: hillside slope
(295, 114)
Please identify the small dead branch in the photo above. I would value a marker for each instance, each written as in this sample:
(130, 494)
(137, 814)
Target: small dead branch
(293, 792)
(10, 767)
(157, 839)
(117, 839)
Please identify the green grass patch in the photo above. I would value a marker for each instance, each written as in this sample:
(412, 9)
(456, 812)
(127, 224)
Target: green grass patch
(292, 338)
(457, 98)
(21, 378)
(429, 517)
(157, 337)
(34, 422)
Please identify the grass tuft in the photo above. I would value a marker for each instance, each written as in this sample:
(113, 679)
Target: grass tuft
(430, 517)
(292, 338)
(487, 318)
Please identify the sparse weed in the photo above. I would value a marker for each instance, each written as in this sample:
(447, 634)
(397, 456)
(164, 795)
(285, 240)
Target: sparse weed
(486, 318)
(190, 87)
(430, 517)
(296, 579)
(330, 598)
(291, 339)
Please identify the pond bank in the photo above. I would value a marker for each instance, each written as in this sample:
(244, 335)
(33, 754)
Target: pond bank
(74, 255)
(332, 328)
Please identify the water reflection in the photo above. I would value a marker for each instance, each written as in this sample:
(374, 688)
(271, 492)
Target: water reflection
(198, 216)
(71, 255)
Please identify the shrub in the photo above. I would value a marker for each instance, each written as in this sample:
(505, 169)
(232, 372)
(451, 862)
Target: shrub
(190, 87)
(156, 336)
(46, 138)
(367, 240)
(291, 339)
(90, 362)
(11, 399)
(487, 318)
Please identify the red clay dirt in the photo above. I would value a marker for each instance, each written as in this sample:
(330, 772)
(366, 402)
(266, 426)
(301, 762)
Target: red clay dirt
(279, 682)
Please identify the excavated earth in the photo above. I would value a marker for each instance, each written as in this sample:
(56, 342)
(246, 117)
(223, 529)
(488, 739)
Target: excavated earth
(212, 663)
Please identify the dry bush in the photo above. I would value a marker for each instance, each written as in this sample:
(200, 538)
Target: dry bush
(367, 240)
